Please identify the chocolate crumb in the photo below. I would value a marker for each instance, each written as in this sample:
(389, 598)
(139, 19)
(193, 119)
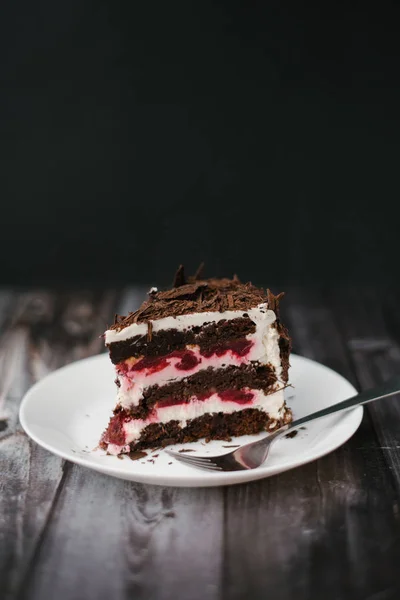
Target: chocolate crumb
(3, 425)
(136, 454)
(302, 427)
(167, 442)
(151, 460)
(154, 455)
(120, 456)
(291, 434)
(232, 446)
(169, 513)
(186, 450)
(170, 463)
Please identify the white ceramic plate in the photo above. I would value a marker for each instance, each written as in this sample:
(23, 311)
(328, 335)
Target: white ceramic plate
(67, 411)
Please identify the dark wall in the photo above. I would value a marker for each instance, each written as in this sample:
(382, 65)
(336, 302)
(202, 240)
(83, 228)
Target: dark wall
(262, 137)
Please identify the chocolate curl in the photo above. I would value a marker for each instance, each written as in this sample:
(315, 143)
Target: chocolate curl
(273, 302)
(179, 278)
(199, 273)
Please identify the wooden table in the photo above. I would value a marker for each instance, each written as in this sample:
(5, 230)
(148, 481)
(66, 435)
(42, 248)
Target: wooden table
(327, 530)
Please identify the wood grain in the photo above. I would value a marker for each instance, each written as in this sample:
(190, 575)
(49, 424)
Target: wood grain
(329, 529)
(365, 315)
(115, 539)
(41, 332)
(110, 538)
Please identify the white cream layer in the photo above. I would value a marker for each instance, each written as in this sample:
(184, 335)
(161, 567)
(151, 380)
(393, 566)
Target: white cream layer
(259, 314)
(273, 404)
(265, 350)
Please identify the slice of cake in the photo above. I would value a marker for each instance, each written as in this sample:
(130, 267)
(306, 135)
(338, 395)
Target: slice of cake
(206, 359)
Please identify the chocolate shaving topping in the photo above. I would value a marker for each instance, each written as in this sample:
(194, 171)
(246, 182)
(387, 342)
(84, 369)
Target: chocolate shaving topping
(179, 278)
(149, 331)
(273, 302)
(188, 290)
(191, 295)
(199, 272)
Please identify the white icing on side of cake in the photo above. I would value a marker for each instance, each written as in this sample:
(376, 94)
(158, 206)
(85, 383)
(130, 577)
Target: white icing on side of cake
(259, 314)
(265, 351)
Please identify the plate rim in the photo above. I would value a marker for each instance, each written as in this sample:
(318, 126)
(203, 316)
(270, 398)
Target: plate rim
(198, 478)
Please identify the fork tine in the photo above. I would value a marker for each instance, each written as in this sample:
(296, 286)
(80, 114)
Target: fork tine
(191, 457)
(204, 467)
(208, 466)
(194, 461)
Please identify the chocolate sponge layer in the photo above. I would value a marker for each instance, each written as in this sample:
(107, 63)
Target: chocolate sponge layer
(207, 382)
(164, 342)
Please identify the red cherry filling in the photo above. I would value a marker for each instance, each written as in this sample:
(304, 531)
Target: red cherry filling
(238, 396)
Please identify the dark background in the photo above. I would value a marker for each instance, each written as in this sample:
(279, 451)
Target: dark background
(259, 136)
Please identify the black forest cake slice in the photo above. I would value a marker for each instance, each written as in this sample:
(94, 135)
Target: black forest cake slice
(206, 359)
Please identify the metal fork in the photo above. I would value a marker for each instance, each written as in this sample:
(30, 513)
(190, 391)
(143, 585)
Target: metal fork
(251, 456)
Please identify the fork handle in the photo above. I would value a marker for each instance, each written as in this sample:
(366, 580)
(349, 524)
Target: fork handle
(389, 388)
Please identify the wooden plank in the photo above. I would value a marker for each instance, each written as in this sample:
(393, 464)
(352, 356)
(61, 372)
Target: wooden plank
(112, 539)
(30, 476)
(329, 529)
(369, 321)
